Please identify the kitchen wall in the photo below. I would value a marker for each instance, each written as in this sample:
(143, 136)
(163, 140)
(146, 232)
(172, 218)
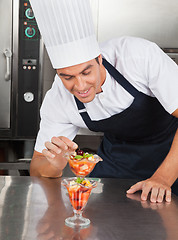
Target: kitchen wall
(155, 20)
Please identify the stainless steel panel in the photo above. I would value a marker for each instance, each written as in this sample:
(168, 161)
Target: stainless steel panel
(155, 20)
(5, 61)
(33, 208)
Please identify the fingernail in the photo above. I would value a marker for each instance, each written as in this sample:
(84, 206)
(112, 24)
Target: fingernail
(58, 151)
(52, 155)
(65, 147)
(75, 145)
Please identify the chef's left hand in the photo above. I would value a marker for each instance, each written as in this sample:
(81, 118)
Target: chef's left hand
(154, 185)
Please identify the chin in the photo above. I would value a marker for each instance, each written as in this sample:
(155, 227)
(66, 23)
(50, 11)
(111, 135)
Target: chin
(85, 100)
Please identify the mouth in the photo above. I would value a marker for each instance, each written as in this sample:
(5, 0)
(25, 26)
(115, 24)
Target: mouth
(83, 93)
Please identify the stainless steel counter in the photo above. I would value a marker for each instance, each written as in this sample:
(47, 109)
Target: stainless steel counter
(35, 208)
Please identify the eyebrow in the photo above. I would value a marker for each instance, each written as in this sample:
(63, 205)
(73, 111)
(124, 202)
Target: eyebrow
(68, 75)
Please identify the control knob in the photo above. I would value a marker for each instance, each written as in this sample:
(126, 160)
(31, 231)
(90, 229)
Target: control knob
(28, 96)
(29, 13)
(30, 32)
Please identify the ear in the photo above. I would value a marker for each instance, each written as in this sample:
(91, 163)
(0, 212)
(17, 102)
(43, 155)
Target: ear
(100, 59)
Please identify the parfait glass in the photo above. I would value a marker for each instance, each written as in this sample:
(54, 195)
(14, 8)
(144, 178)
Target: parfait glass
(82, 167)
(78, 195)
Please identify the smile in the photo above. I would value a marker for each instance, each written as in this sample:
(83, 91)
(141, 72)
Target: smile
(84, 93)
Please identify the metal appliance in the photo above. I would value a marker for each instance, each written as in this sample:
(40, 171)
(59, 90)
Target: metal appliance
(20, 70)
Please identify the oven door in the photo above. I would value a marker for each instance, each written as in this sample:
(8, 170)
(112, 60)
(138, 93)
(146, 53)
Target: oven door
(5, 62)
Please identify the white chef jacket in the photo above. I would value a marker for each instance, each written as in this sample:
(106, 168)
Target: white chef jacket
(140, 61)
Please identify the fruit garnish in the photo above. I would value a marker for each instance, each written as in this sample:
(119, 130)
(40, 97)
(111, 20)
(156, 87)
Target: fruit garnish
(74, 188)
(83, 181)
(79, 180)
(78, 157)
(86, 183)
(80, 152)
(86, 155)
(72, 183)
(81, 155)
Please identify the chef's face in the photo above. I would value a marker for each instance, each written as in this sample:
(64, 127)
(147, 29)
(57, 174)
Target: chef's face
(84, 80)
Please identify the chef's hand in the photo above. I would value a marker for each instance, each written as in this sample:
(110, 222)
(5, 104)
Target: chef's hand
(56, 149)
(148, 204)
(154, 185)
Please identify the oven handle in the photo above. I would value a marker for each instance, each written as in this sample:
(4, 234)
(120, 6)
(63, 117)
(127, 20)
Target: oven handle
(8, 55)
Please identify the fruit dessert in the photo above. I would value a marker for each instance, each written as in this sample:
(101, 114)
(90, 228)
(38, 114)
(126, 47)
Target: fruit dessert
(82, 163)
(79, 191)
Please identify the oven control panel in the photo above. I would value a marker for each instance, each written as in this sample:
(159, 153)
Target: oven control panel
(28, 73)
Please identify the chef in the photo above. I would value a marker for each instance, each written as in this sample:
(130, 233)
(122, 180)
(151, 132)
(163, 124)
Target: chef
(126, 88)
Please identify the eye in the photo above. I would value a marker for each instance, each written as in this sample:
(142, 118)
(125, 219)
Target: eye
(68, 78)
(86, 73)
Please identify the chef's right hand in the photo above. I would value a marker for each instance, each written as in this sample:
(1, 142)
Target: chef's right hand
(56, 149)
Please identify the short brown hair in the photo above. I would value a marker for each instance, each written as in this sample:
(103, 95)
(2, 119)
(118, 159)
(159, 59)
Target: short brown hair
(97, 60)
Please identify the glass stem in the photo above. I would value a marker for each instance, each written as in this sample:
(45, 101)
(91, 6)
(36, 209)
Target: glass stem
(77, 214)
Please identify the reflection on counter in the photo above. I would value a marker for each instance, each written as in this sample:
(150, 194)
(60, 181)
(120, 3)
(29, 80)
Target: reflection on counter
(33, 208)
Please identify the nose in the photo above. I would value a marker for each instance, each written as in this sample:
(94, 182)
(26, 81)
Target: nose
(79, 83)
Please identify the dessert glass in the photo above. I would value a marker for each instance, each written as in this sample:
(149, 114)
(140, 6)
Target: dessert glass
(78, 195)
(82, 167)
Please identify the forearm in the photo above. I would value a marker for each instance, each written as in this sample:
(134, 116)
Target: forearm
(168, 170)
(40, 166)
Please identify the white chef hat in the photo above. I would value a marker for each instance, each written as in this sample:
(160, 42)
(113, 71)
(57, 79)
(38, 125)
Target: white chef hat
(67, 30)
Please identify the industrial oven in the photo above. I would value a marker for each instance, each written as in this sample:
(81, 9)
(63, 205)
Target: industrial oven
(21, 51)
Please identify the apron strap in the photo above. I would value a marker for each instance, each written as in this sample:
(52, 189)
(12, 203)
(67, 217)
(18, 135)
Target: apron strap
(83, 112)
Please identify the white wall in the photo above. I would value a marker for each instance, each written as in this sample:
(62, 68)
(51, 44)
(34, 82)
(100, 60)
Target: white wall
(155, 20)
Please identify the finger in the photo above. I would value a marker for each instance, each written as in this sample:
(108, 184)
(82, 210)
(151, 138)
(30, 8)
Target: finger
(64, 143)
(161, 195)
(48, 154)
(154, 194)
(52, 147)
(168, 195)
(145, 191)
(136, 187)
(59, 143)
(69, 143)
(134, 196)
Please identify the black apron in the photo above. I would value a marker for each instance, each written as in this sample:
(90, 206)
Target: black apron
(136, 140)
